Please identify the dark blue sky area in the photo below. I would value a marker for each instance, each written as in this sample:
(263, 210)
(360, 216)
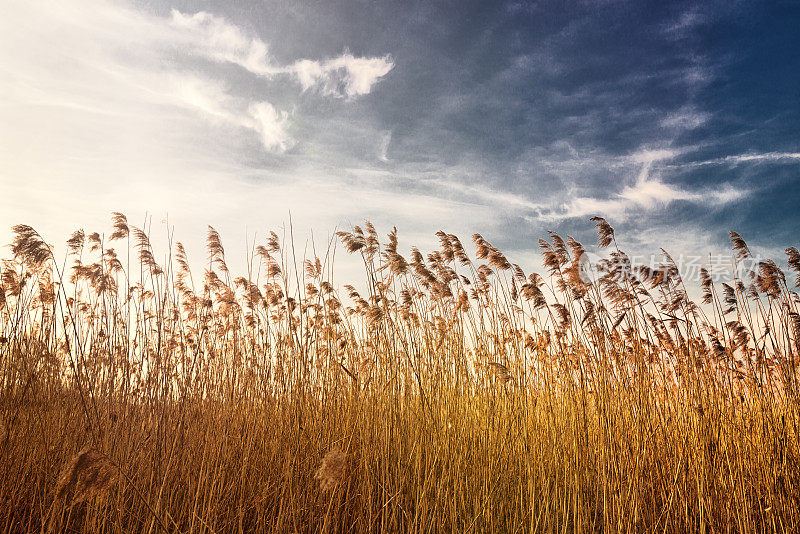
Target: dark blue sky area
(551, 100)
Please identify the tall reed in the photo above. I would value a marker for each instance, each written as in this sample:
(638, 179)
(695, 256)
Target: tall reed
(447, 392)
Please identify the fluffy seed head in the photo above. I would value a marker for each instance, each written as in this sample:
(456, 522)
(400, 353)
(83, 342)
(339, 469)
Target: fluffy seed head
(88, 474)
(331, 471)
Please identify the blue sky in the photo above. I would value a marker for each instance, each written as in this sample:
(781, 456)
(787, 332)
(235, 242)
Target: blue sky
(678, 121)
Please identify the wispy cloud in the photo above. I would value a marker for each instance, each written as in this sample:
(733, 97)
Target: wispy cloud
(687, 22)
(734, 160)
(686, 118)
(271, 124)
(215, 104)
(383, 146)
(647, 193)
(221, 41)
(642, 190)
(767, 156)
(344, 75)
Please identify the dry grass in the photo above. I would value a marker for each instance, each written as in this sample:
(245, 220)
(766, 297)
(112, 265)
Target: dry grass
(454, 393)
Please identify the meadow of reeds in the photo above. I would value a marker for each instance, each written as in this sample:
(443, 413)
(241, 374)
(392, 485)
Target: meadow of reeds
(446, 392)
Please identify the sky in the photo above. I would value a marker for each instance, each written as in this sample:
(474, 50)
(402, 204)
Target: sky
(677, 121)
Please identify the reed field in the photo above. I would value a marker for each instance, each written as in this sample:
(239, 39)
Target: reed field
(443, 391)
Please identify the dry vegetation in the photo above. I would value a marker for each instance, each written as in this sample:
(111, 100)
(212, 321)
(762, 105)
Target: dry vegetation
(452, 394)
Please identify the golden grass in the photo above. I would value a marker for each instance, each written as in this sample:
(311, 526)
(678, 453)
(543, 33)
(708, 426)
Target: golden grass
(453, 394)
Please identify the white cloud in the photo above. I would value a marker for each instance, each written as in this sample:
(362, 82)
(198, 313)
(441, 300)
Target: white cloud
(767, 156)
(214, 103)
(206, 97)
(479, 194)
(344, 75)
(383, 146)
(221, 41)
(646, 193)
(642, 196)
(652, 155)
(686, 23)
(686, 118)
(649, 192)
(740, 159)
(271, 124)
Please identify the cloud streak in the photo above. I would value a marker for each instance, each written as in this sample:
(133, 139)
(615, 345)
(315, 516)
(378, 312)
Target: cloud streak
(769, 157)
(647, 193)
(644, 195)
(215, 104)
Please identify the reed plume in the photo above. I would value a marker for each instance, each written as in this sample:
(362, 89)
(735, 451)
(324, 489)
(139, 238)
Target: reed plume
(332, 469)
